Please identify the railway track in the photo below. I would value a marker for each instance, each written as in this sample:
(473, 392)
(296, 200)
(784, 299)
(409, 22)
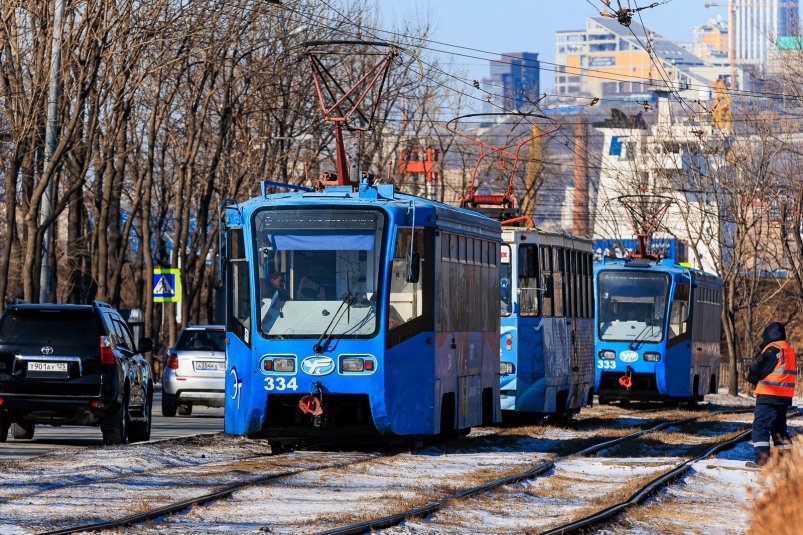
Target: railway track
(217, 487)
(648, 489)
(537, 470)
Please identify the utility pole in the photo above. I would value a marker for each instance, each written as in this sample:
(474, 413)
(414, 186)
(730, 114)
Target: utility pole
(46, 272)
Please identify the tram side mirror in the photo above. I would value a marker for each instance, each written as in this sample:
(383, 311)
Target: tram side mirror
(684, 313)
(413, 267)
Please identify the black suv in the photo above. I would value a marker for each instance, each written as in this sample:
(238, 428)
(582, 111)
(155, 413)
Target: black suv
(73, 365)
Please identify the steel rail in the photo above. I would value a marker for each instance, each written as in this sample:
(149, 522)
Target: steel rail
(538, 469)
(650, 488)
(175, 507)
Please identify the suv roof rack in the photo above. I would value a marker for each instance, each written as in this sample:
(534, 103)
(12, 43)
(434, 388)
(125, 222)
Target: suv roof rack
(18, 301)
(101, 304)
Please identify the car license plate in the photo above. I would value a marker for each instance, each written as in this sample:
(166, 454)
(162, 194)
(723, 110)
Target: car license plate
(210, 366)
(47, 367)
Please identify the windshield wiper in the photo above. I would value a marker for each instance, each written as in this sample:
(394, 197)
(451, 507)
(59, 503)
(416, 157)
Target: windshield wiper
(637, 340)
(317, 347)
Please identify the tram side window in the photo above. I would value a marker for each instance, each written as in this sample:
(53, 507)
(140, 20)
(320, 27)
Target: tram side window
(239, 321)
(528, 280)
(558, 281)
(679, 312)
(546, 281)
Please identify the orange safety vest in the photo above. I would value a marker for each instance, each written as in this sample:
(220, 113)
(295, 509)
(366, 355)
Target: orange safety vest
(781, 381)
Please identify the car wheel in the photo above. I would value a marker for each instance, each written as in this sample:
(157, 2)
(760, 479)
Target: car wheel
(141, 431)
(118, 433)
(168, 405)
(4, 424)
(22, 430)
(185, 409)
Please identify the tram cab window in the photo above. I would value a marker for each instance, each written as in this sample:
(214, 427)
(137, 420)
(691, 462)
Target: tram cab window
(679, 312)
(528, 280)
(406, 298)
(328, 263)
(239, 301)
(505, 280)
(411, 304)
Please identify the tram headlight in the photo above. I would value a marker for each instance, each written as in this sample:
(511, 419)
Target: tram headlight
(352, 364)
(506, 368)
(284, 365)
(607, 354)
(651, 356)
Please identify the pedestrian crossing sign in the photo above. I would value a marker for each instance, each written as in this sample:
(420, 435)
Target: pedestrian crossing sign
(166, 285)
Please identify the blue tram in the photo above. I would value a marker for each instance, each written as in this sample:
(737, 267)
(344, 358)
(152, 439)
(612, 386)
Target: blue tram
(657, 332)
(358, 314)
(547, 331)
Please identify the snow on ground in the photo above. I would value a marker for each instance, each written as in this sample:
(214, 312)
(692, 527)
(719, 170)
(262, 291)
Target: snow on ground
(712, 498)
(537, 504)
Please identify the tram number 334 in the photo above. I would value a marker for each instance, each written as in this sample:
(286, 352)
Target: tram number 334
(606, 364)
(279, 383)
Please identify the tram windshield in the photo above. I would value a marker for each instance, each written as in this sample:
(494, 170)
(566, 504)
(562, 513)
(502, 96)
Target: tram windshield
(632, 305)
(317, 271)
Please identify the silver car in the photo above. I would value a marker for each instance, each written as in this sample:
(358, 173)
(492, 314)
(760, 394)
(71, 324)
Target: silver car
(194, 371)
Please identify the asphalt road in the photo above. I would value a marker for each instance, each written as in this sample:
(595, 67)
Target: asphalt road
(47, 438)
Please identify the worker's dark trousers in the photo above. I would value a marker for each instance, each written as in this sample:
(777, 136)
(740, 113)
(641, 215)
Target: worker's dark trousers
(769, 420)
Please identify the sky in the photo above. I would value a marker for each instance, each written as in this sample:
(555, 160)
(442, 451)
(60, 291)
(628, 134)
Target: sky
(530, 25)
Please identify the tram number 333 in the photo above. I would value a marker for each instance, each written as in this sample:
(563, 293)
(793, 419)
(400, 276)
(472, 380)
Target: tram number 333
(279, 383)
(606, 364)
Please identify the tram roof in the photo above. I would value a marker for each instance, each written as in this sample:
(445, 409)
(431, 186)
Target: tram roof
(384, 195)
(666, 265)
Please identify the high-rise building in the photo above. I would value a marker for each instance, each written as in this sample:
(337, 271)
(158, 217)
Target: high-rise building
(711, 41)
(607, 58)
(514, 81)
(759, 25)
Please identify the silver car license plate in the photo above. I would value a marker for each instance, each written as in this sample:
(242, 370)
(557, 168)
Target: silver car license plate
(47, 367)
(210, 366)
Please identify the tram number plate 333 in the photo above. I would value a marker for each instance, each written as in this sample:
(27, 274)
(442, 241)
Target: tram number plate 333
(280, 383)
(606, 364)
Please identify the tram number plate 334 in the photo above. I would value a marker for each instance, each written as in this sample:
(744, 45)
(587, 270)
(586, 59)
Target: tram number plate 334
(606, 364)
(280, 383)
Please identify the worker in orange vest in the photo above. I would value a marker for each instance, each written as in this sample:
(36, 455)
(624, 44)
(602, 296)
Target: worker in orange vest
(773, 372)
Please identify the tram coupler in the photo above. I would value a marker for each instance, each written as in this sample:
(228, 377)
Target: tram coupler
(627, 379)
(312, 404)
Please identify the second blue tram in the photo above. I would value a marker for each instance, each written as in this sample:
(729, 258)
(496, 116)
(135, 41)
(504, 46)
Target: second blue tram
(358, 314)
(657, 332)
(546, 338)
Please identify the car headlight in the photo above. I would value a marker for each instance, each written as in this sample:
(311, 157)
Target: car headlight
(607, 354)
(506, 368)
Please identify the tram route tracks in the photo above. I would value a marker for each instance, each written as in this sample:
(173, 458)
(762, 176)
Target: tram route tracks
(222, 491)
(663, 480)
(538, 469)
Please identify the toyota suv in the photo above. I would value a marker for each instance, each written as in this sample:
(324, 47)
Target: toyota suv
(195, 370)
(73, 365)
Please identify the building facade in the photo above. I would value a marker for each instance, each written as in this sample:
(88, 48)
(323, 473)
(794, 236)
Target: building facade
(759, 24)
(515, 81)
(607, 59)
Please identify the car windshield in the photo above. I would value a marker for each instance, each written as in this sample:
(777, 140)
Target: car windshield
(54, 327)
(202, 340)
(632, 305)
(308, 261)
